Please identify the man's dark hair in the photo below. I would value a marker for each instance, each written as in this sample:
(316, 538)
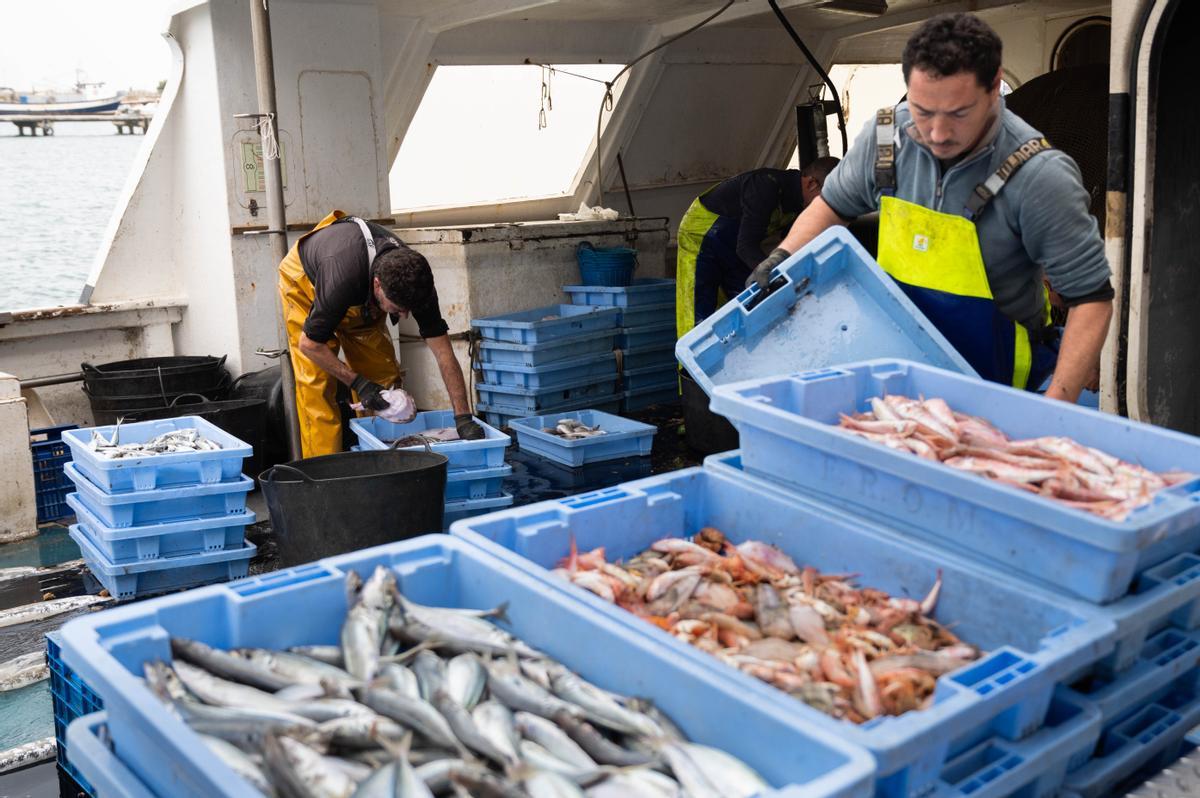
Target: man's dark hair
(819, 169)
(952, 43)
(406, 277)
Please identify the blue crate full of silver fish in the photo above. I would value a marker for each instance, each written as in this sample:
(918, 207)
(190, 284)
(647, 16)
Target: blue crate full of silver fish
(921, 725)
(510, 675)
(153, 454)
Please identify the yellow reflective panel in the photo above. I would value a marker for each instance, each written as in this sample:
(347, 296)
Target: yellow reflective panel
(929, 249)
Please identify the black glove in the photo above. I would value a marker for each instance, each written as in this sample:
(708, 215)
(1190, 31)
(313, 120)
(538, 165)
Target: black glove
(369, 393)
(761, 276)
(468, 430)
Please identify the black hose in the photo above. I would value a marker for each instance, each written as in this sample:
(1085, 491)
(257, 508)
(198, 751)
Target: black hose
(817, 66)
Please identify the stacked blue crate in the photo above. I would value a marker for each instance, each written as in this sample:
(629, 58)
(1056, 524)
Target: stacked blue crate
(646, 341)
(546, 360)
(50, 453)
(162, 522)
(475, 472)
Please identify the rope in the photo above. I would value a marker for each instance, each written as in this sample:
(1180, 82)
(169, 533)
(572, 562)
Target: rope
(270, 144)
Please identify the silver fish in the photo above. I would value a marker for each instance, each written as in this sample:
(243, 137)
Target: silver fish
(597, 746)
(399, 678)
(361, 731)
(599, 706)
(465, 730)
(701, 767)
(330, 655)
(239, 763)
(481, 784)
(221, 692)
(539, 758)
(361, 642)
(298, 669)
(300, 692)
(551, 737)
(516, 692)
(300, 770)
(495, 721)
(637, 783)
(413, 713)
(465, 680)
(23, 671)
(548, 784)
(226, 665)
(431, 673)
(383, 782)
(436, 774)
(456, 630)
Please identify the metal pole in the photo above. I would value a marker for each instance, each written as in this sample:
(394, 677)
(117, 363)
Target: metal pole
(264, 72)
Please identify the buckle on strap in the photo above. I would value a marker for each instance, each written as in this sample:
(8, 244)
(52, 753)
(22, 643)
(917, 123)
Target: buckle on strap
(885, 151)
(988, 189)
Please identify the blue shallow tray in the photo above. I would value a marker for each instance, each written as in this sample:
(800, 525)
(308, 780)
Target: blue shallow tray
(510, 399)
(502, 418)
(788, 432)
(623, 438)
(540, 325)
(477, 483)
(643, 291)
(306, 605)
(641, 398)
(163, 470)
(137, 507)
(551, 375)
(467, 508)
(1036, 641)
(650, 377)
(128, 544)
(649, 336)
(662, 355)
(647, 315)
(372, 431)
(592, 343)
(147, 577)
(835, 305)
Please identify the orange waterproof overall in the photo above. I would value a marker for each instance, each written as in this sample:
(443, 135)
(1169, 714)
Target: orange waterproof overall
(363, 340)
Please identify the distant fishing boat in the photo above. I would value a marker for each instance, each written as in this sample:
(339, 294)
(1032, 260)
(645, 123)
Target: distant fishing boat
(80, 101)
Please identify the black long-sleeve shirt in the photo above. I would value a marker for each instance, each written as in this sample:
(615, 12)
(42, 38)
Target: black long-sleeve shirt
(754, 197)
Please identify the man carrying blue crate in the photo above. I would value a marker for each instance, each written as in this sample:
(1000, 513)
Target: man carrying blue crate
(721, 237)
(339, 284)
(977, 214)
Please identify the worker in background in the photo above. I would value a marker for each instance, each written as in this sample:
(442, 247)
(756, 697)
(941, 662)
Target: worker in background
(722, 235)
(975, 207)
(339, 284)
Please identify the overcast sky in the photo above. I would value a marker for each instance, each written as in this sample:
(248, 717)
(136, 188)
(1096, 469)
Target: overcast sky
(43, 42)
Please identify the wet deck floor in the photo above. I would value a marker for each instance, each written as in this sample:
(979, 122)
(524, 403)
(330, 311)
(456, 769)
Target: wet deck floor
(26, 715)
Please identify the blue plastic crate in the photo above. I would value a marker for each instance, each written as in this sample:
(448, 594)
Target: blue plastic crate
(502, 418)
(641, 398)
(663, 355)
(527, 401)
(481, 483)
(1142, 743)
(593, 343)
(651, 336)
(49, 453)
(592, 476)
(650, 377)
(71, 698)
(306, 605)
(623, 438)
(52, 504)
(468, 508)
(134, 508)
(163, 470)
(833, 305)
(147, 577)
(647, 315)
(643, 291)
(1035, 641)
(373, 433)
(1031, 768)
(130, 544)
(788, 429)
(100, 765)
(550, 323)
(551, 375)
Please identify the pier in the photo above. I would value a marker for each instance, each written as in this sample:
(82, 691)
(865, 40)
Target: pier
(126, 123)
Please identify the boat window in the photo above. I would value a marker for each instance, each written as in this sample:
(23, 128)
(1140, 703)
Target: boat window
(493, 133)
(863, 90)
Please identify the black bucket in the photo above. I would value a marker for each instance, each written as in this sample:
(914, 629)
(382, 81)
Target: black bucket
(107, 409)
(145, 376)
(244, 419)
(704, 430)
(328, 505)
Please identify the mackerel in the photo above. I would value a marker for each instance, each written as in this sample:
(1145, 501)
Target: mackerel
(467, 732)
(599, 706)
(301, 771)
(226, 665)
(465, 680)
(517, 693)
(413, 713)
(239, 763)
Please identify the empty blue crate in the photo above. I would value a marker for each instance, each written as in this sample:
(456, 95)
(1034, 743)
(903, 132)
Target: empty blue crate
(643, 291)
(647, 315)
(459, 509)
(660, 355)
(307, 604)
(593, 343)
(375, 433)
(527, 401)
(563, 372)
(830, 291)
(788, 428)
(152, 541)
(161, 470)
(622, 438)
(641, 398)
(138, 507)
(88, 737)
(650, 336)
(1038, 640)
(147, 577)
(650, 377)
(540, 325)
(478, 483)
(71, 698)
(503, 418)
